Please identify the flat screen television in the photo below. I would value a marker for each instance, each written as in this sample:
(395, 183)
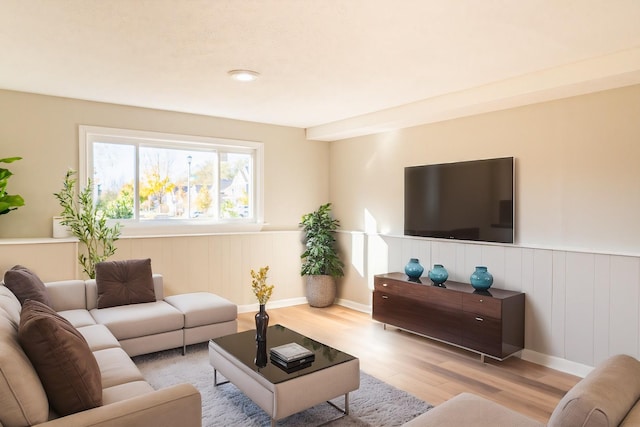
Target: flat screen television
(471, 200)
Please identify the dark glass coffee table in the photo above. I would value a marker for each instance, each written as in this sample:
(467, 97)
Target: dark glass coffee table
(279, 392)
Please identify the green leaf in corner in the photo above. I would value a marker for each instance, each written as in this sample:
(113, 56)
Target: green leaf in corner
(10, 159)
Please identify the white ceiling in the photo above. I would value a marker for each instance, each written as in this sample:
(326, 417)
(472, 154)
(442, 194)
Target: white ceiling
(338, 68)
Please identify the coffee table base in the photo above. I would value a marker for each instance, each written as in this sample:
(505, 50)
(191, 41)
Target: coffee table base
(288, 397)
(344, 411)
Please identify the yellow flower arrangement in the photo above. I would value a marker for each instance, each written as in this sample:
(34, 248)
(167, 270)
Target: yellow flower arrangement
(259, 285)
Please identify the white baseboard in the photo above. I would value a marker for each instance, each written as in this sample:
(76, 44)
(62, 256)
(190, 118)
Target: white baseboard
(272, 304)
(557, 363)
(364, 308)
(247, 308)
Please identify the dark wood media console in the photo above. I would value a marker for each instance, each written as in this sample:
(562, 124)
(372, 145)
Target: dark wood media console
(488, 322)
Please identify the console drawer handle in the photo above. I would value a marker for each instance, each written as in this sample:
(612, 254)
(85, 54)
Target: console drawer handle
(385, 285)
(479, 319)
(385, 297)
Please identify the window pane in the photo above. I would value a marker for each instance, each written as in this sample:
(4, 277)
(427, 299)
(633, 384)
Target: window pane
(164, 180)
(236, 180)
(113, 179)
(176, 184)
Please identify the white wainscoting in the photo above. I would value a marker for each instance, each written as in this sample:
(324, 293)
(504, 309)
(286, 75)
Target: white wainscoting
(218, 263)
(580, 307)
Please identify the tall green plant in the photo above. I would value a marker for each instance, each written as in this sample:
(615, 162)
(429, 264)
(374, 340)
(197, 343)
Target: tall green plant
(87, 223)
(320, 256)
(8, 202)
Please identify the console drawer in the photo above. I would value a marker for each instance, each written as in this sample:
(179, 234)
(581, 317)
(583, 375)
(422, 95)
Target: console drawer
(482, 333)
(407, 313)
(482, 305)
(389, 286)
(405, 289)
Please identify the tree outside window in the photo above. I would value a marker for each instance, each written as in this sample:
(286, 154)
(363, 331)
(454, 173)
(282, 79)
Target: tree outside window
(146, 181)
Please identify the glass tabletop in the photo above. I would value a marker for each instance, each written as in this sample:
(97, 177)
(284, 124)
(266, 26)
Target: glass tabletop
(243, 346)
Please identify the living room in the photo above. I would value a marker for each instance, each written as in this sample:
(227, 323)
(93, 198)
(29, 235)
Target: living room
(575, 256)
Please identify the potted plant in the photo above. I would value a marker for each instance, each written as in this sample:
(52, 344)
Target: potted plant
(8, 202)
(321, 263)
(87, 224)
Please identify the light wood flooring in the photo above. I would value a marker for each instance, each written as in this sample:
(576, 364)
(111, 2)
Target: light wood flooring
(431, 371)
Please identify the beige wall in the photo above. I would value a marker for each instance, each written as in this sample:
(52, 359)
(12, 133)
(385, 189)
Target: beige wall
(44, 131)
(577, 250)
(577, 179)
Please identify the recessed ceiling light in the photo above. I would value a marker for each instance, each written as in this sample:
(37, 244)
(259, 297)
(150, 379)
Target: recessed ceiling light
(244, 75)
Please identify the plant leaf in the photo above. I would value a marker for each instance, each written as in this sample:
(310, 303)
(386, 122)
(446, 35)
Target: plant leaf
(10, 159)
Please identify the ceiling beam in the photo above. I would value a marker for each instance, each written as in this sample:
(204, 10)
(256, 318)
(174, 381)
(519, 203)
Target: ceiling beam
(607, 72)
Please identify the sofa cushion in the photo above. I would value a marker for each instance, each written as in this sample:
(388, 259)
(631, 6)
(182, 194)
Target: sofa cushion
(203, 308)
(124, 282)
(125, 391)
(78, 318)
(23, 401)
(467, 409)
(98, 337)
(25, 284)
(602, 398)
(68, 370)
(67, 295)
(139, 320)
(116, 367)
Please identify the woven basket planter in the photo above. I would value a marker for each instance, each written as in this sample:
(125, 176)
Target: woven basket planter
(321, 290)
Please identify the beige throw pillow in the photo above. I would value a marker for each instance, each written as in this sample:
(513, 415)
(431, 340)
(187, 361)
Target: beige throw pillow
(124, 282)
(62, 358)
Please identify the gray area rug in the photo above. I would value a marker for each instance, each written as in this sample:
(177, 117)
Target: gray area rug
(375, 403)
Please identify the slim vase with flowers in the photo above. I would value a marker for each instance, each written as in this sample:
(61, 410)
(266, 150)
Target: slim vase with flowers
(262, 292)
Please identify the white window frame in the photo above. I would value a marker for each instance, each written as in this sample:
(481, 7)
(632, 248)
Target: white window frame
(90, 134)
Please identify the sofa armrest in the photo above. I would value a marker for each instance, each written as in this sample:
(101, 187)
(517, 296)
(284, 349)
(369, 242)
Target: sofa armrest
(603, 397)
(467, 409)
(178, 405)
(158, 286)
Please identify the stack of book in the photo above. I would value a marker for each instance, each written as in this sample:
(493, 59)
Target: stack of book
(291, 356)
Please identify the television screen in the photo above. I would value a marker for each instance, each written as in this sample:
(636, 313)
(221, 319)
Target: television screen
(470, 200)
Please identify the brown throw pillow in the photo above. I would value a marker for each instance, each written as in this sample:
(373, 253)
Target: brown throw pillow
(25, 284)
(124, 282)
(61, 356)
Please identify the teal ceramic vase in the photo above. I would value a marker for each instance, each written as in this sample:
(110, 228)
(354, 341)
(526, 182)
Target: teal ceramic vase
(413, 269)
(438, 274)
(481, 279)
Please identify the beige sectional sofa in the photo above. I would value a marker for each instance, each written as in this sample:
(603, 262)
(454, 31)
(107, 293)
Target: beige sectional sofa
(169, 322)
(113, 335)
(607, 397)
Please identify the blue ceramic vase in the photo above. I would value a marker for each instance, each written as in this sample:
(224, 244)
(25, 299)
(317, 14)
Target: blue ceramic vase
(413, 269)
(481, 279)
(438, 274)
